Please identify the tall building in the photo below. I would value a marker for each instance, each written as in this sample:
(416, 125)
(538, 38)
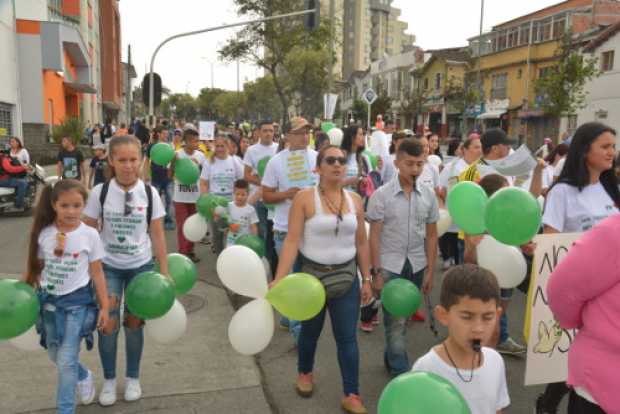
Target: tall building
(380, 19)
(111, 70)
(356, 37)
(398, 41)
(339, 10)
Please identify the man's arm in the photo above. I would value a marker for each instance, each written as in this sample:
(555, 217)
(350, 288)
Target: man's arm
(249, 177)
(431, 256)
(271, 196)
(376, 227)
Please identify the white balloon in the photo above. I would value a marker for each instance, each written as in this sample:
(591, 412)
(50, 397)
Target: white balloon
(251, 328)
(52, 179)
(220, 210)
(335, 136)
(506, 262)
(170, 327)
(28, 341)
(242, 271)
(434, 160)
(195, 228)
(444, 222)
(267, 267)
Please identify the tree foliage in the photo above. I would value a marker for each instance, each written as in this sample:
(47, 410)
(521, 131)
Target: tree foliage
(206, 102)
(262, 99)
(562, 89)
(276, 47)
(179, 105)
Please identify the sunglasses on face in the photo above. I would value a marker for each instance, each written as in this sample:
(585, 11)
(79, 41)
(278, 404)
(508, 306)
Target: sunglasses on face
(331, 160)
(128, 200)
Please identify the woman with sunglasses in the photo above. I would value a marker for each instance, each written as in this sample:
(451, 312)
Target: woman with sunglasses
(358, 165)
(326, 225)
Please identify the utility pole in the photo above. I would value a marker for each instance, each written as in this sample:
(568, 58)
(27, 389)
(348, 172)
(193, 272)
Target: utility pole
(128, 85)
(330, 76)
(479, 81)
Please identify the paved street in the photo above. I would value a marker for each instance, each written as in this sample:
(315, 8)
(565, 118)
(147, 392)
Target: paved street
(201, 373)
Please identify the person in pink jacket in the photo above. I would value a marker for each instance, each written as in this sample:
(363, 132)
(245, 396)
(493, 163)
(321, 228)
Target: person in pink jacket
(583, 294)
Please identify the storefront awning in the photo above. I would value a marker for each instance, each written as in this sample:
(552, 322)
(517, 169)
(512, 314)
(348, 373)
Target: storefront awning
(492, 114)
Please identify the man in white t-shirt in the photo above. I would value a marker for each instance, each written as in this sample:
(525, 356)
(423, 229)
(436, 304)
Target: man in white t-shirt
(288, 172)
(185, 196)
(472, 291)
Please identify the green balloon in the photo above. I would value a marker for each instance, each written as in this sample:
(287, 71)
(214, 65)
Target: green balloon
(186, 171)
(253, 242)
(205, 205)
(513, 216)
(19, 308)
(262, 164)
(326, 126)
(149, 295)
(400, 297)
(372, 157)
(466, 204)
(421, 393)
(162, 153)
(183, 271)
(221, 201)
(298, 296)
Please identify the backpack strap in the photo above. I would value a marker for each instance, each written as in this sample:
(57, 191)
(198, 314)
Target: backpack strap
(149, 207)
(102, 196)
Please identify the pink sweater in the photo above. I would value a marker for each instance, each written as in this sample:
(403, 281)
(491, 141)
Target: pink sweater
(584, 293)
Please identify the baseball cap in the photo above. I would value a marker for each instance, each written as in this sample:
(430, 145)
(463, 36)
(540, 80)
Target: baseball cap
(298, 123)
(495, 136)
(178, 131)
(190, 127)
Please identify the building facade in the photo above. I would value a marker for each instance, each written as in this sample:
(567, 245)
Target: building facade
(603, 100)
(513, 55)
(110, 58)
(10, 108)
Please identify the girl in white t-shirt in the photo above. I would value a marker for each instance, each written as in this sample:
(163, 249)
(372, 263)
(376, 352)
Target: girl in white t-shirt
(18, 151)
(586, 193)
(218, 177)
(64, 257)
(130, 241)
(358, 164)
(185, 196)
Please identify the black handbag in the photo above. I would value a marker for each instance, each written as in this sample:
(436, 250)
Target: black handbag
(336, 279)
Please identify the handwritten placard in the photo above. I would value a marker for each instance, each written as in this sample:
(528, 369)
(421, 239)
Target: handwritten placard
(548, 344)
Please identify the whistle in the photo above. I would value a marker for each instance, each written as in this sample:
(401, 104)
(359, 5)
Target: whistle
(476, 345)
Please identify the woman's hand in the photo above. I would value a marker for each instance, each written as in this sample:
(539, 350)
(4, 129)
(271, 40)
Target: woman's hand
(103, 318)
(366, 292)
(377, 281)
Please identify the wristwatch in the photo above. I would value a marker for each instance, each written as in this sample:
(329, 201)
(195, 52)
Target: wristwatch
(375, 271)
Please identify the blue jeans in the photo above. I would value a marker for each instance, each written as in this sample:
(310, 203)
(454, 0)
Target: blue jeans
(65, 322)
(343, 312)
(395, 355)
(294, 327)
(20, 187)
(117, 281)
(165, 189)
(505, 294)
(261, 212)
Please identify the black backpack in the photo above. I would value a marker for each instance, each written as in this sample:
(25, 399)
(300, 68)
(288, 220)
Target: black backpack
(149, 195)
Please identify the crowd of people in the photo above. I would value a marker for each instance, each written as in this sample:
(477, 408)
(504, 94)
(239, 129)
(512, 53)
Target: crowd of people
(355, 214)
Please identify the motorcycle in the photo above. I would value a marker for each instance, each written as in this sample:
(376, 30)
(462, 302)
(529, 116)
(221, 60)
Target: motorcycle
(33, 178)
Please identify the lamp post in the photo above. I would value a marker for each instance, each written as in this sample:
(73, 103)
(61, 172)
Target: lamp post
(210, 62)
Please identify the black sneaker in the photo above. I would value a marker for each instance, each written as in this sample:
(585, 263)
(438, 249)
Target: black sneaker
(540, 406)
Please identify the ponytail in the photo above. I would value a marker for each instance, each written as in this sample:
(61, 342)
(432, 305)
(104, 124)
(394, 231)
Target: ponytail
(44, 216)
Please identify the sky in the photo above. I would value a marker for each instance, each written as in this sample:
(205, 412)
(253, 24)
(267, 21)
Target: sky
(184, 64)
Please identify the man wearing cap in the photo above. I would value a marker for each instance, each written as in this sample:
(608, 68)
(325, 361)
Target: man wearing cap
(286, 173)
(495, 146)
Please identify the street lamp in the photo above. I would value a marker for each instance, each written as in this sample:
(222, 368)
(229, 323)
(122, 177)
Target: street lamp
(210, 62)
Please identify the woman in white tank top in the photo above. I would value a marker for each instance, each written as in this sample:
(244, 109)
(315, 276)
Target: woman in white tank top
(326, 224)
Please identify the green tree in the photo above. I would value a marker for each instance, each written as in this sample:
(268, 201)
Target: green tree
(274, 46)
(262, 99)
(562, 87)
(206, 102)
(230, 106)
(305, 75)
(382, 105)
(184, 105)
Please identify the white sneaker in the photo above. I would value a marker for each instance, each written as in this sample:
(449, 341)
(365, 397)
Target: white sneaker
(133, 391)
(107, 396)
(86, 389)
(446, 264)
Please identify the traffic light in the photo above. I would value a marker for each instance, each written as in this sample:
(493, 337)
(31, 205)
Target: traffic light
(312, 20)
(156, 87)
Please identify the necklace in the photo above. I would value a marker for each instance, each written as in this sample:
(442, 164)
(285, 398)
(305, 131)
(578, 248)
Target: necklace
(471, 377)
(332, 207)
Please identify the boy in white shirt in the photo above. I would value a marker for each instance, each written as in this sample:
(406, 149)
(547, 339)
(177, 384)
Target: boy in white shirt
(469, 308)
(242, 217)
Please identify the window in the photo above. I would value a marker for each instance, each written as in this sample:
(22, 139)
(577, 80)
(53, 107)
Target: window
(498, 86)
(607, 61)
(536, 32)
(524, 39)
(6, 119)
(438, 81)
(513, 37)
(546, 31)
(543, 72)
(425, 84)
(519, 73)
(559, 27)
(501, 41)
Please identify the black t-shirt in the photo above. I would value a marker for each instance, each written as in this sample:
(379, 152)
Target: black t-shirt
(71, 162)
(99, 165)
(159, 174)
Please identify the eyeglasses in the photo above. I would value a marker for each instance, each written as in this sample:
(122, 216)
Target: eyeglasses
(128, 200)
(331, 160)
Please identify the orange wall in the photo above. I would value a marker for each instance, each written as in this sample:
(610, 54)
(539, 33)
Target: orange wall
(28, 27)
(53, 89)
(71, 8)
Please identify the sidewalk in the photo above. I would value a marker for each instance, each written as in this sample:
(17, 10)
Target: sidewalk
(199, 373)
